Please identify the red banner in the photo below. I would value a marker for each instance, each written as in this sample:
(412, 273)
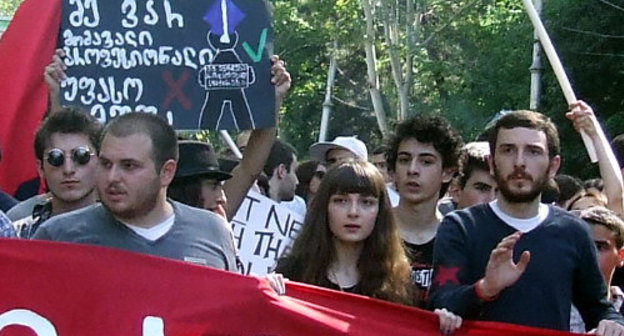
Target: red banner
(51, 289)
(25, 49)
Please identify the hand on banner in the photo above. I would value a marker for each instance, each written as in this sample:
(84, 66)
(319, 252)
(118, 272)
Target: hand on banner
(607, 327)
(280, 78)
(277, 282)
(54, 74)
(449, 322)
(501, 271)
(583, 118)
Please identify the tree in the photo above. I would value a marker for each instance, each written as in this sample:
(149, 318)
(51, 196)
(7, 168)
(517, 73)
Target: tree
(8, 7)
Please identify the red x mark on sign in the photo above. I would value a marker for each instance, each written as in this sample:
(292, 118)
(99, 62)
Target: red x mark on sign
(176, 91)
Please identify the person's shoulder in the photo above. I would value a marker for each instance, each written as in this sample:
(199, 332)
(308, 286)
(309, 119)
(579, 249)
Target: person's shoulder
(25, 207)
(469, 221)
(567, 221)
(469, 215)
(86, 216)
(559, 216)
(185, 213)
(184, 210)
(6, 201)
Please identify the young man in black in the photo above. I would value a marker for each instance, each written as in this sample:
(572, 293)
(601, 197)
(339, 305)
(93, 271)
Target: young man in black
(423, 155)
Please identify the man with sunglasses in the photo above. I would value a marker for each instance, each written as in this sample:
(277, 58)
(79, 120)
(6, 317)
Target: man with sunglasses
(137, 163)
(65, 147)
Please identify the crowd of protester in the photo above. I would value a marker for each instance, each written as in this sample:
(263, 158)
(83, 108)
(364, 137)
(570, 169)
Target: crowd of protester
(486, 230)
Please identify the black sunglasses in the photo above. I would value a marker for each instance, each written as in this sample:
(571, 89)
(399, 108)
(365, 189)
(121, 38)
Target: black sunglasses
(80, 155)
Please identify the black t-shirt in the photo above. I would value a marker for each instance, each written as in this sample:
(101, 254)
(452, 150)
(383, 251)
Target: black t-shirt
(421, 260)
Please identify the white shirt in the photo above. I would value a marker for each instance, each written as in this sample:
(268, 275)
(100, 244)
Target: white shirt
(155, 231)
(297, 205)
(393, 195)
(521, 224)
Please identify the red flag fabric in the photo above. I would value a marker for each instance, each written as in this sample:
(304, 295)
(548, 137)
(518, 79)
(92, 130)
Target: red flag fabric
(25, 49)
(51, 289)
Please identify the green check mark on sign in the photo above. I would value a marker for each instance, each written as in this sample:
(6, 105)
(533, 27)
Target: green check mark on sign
(257, 57)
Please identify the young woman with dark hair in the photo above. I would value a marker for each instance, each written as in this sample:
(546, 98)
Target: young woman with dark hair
(350, 242)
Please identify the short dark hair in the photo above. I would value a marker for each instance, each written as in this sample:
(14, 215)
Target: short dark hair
(595, 183)
(599, 215)
(531, 120)
(69, 120)
(618, 148)
(164, 140)
(305, 171)
(187, 190)
(472, 159)
(383, 149)
(550, 192)
(568, 187)
(281, 153)
(427, 129)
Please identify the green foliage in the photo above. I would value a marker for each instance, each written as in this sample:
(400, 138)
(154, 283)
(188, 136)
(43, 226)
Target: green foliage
(590, 48)
(471, 59)
(8, 7)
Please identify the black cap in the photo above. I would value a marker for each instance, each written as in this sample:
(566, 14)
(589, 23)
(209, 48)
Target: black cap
(198, 159)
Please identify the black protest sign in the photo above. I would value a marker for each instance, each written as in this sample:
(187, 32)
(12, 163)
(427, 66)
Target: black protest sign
(198, 64)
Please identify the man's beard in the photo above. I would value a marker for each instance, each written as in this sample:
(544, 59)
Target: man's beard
(538, 185)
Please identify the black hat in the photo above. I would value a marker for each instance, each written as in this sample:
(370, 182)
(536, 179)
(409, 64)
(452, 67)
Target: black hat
(198, 159)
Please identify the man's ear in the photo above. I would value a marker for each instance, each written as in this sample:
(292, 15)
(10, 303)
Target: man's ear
(167, 172)
(281, 171)
(490, 161)
(454, 190)
(553, 168)
(448, 173)
(620, 257)
(40, 168)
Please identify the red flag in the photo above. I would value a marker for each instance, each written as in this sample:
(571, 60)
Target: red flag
(86, 290)
(25, 50)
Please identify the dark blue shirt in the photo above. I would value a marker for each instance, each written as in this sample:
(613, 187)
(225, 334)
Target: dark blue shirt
(563, 269)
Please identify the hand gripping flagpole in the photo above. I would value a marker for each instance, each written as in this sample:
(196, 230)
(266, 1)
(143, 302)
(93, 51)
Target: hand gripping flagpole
(560, 73)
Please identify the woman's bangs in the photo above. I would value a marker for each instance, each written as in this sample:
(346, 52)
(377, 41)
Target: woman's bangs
(354, 181)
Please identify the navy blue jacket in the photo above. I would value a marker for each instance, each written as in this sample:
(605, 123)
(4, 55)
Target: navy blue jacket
(563, 269)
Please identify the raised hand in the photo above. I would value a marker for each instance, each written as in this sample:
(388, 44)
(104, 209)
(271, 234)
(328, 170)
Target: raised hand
(583, 118)
(280, 77)
(53, 74)
(501, 271)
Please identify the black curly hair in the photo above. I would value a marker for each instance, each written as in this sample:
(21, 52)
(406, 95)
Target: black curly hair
(428, 129)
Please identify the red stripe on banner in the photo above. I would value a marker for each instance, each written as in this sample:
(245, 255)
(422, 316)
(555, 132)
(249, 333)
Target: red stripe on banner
(25, 49)
(96, 291)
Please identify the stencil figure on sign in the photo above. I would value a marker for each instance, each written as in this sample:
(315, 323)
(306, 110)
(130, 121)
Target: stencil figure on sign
(226, 77)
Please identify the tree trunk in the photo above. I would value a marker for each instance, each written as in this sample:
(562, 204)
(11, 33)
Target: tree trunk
(536, 67)
(402, 72)
(371, 65)
(327, 103)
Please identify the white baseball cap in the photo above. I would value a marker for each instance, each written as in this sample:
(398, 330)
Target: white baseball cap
(319, 150)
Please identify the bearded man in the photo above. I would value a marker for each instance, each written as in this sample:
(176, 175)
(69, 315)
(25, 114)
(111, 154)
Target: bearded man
(514, 259)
